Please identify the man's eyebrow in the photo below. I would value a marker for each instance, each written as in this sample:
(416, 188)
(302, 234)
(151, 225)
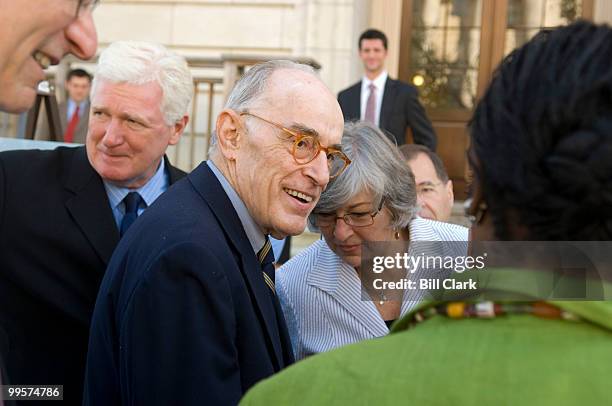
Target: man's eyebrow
(304, 129)
(135, 117)
(123, 115)
(427, 183)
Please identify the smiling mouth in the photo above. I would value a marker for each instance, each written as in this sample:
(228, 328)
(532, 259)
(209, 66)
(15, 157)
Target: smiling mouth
(108, 154)
(348, 247)
(114, 156)
(43, 60)
(302, 197)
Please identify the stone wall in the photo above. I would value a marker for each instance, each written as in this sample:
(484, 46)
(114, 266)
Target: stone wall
(325, 30)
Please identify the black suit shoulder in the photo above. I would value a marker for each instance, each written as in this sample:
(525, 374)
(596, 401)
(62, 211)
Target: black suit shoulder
(350, 91)
(45, 253)
(401, 109)
(404, 87)
(38, 163)
(175, 173)
(29, 178)
(349, 100)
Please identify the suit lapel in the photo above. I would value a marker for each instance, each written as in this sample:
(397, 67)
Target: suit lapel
(63, 110)
(175, 173)
(80, 133)
(339, 280)
(209, 188)
(354, 102)
(89, 206)
(388, 102)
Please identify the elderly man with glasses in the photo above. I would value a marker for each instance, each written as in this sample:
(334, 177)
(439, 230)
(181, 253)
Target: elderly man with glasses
(434, 188)
(187, 313)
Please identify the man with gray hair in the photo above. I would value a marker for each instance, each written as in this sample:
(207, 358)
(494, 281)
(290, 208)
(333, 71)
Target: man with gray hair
(62, 212)
(434, 188)
(187, 313)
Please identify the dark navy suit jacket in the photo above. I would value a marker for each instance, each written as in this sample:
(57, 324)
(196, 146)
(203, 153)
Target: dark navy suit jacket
(400, 109)
(57, 234)
(183, 316)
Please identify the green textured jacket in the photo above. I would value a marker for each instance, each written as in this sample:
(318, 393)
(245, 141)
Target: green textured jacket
(509, 360)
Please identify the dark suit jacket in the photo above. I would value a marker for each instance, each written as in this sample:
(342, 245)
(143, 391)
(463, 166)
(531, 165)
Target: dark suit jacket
(80, 133)
(57, 233)
(400, 109)
(183, 316)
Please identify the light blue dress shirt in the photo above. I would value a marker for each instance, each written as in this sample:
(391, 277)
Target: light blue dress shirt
(71, 107)
(149, 192)
(277, 247)
(253, 231)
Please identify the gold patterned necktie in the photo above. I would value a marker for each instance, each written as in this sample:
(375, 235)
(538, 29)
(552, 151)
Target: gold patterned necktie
(266, 259)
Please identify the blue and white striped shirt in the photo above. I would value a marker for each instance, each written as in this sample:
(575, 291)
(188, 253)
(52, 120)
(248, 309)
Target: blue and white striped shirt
(322, 298)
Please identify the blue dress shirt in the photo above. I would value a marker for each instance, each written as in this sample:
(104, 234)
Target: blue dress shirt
(71, 107)
(253, 231)
(149, 192)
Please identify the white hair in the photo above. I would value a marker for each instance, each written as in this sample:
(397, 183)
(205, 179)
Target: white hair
(137, 63)
(252, 84)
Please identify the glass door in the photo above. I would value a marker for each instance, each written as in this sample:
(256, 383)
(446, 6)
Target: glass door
(450, 48)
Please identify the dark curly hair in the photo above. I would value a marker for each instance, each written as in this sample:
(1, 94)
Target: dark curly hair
(542, 136)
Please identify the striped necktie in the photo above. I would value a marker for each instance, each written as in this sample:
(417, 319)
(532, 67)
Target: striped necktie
(266, 259)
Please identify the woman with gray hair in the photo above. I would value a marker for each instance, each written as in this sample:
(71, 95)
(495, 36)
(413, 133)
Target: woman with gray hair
(374, 199)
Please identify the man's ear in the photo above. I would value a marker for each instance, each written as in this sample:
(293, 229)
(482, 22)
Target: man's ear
(178, 129)
(477, 207)
(449, 190)
(482, 224)
(229, 131)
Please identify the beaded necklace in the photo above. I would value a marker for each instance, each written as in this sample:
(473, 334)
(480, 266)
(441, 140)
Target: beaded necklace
(489, 310)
